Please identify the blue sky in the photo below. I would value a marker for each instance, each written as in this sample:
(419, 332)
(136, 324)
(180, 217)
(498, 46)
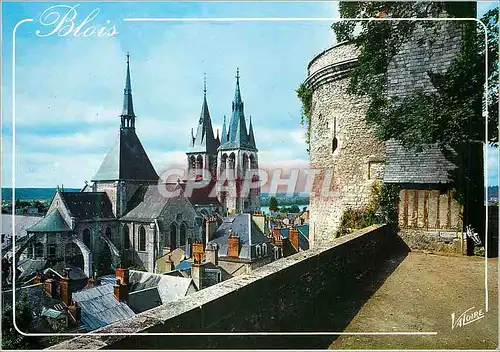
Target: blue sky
(69, 90)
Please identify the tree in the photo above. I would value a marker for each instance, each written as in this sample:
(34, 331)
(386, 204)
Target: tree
(273, 204)
(294, 209)
(11, 339)
(450, 116)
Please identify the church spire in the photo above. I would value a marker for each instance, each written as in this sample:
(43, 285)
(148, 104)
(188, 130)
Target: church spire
(251, 137)
(223, 137)
(204, 140)
(128, 116)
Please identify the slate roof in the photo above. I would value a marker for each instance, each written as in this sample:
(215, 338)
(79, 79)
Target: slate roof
(126, 160)
(150, 205)
(248, 232)
(99, 307)
(303, 236)
(201, 196)
(75, 273)
(169, 287)
(403, 166)
(204, 140)
(150, 201)
(29, 268)
(88, 205)
(52, 222)
(237, 135)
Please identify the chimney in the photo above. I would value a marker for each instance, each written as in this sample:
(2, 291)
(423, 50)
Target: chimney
(212, 253)
(198, 252)
(75, 310)
(122, 274)
(260, 220)
(120, 291)
(38, 278)
(65, 288)
(50, 288)
(197, 273)
(276, 233)
(233, 246)
(293, 236)
(93, 281)
(210, 228)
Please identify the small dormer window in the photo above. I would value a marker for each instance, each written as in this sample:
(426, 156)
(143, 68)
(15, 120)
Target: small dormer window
(257, 250)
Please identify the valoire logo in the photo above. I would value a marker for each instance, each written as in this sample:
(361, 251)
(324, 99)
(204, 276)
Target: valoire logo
(469, 316)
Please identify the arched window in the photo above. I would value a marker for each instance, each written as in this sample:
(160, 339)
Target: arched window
(182, 235)
(232, 160)
(245, 163)
(223, 161)
(86, 238)
(264, 249)
(142, 239)
(173, 236)
(253, 162)
(108, 232)
(38, 250)
(276, 253)
(199, 162)
(257, 250)
(192, 162)
(126, 237)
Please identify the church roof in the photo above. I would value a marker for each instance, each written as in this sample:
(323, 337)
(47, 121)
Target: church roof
(126, 160)
(204, 140)
(88, 205)
(237, 136)
(53, 222)
(150, 204)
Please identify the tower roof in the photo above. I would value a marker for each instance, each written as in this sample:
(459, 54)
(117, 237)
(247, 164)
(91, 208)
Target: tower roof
(127, 159)
(204, 140)
(237, 134)
(128, 106)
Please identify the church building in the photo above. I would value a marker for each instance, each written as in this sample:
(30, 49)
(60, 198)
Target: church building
(123, 218)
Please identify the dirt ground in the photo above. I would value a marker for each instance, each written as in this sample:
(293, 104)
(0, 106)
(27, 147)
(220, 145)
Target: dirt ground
(420, 295)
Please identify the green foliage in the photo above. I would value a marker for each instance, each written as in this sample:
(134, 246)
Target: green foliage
(11, 339)
(292, 209)
(305, 95)
(273, 203)
(450, 116)
(382, 208)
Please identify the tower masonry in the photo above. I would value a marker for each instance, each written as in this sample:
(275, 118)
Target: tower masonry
(343, 144)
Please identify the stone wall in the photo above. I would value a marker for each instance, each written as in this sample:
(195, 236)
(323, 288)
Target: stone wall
(355, 157)
(303, 292)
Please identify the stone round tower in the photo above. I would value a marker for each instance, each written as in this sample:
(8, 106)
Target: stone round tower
(341, 143)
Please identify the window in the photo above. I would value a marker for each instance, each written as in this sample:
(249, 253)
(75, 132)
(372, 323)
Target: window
(264, 249)
(173, 236)
(257, 250)
(126, 237)
(142, 239)
(182, 237)
(51, 250)
(86, 238)
(38, 250)
(108, 232)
